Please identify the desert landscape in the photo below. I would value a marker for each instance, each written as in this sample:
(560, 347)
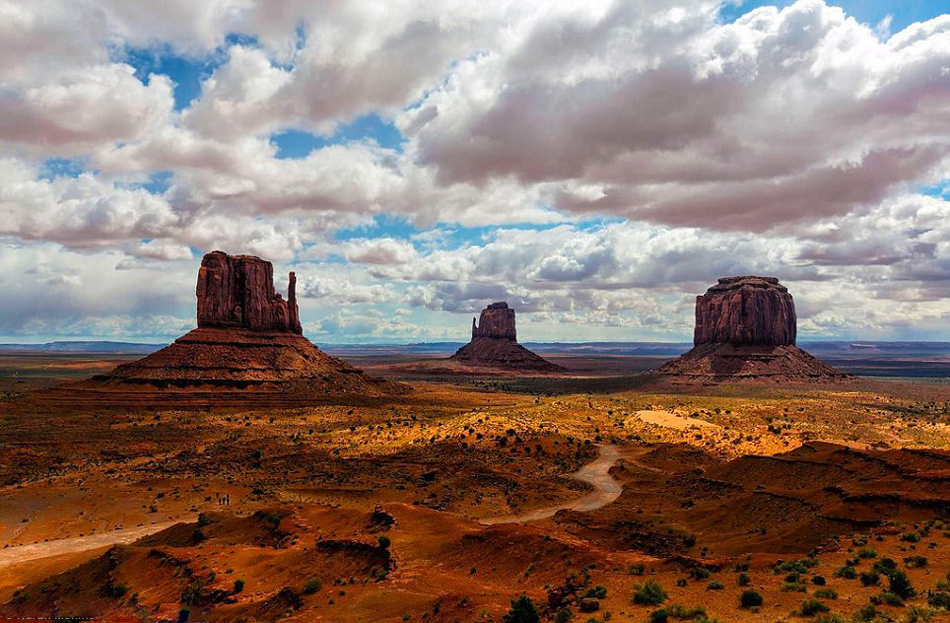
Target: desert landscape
(491, 311)
(176, 489)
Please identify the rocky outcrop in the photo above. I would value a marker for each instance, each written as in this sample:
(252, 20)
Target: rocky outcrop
(238, 291)
(247, 350)
(495, 345)
(745, 311)
(745, 330)
(496, 321)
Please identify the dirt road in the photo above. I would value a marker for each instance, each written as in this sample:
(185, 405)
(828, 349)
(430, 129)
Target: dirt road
(596, 474)
(23, 553)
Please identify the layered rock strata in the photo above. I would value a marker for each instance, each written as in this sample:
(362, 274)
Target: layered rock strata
(746, 330)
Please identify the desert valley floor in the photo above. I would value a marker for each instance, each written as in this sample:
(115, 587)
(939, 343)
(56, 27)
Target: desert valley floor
(599, 498)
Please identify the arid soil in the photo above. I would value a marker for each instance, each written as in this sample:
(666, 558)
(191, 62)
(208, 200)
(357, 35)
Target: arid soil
(389, 510)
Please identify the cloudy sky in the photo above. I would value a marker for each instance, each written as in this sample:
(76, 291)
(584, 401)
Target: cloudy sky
(597, 164)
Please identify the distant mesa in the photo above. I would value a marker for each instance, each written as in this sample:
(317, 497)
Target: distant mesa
(495, 344)
(745, 330)
(248, 349)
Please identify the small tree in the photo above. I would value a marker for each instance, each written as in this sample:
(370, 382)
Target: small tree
(649, 593)
(750, 599)
(522, 611)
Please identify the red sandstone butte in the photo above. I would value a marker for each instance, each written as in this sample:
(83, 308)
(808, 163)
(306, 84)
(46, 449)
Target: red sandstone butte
(495, 344)
(745, 330)
(248, 349)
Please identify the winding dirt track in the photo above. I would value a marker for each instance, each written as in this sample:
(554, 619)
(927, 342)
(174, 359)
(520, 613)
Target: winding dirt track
(596, 474)
(24, 553)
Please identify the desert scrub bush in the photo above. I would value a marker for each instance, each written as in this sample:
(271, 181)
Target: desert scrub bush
(869, 578)
(865, 614)
(847, 572)
(522, 611)
(750, 599)
(811, 607)
(649, 593)
(829, 618)
(918, 614)
(794, 587)
(939, 599)
(383, 541)
(680, 613)
(699, 573)
(915, 562)
(238, 586)
(818, 580)
(900, 585)
(715, 585)
(792, 566)
(636, 569)
(117, 591)
(826, 593)
(910, 537)
(743, 579)
(884, 566)
(312, 586)
(887, 598)
(867, 553)
(563, 616)
(597, 592)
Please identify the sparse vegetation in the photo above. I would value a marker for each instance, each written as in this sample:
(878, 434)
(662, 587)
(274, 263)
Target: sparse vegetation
(522, 611)
(649, 593)
(750, 599)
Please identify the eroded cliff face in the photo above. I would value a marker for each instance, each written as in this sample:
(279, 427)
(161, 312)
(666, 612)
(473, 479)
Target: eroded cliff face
(496, 321)
(746, 311)
(238, 291)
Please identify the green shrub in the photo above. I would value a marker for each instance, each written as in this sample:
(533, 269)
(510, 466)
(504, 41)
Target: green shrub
(918, 614)
(699, 573)
(884, 566)
(939, 599)
(866, 614)
(811, 607)
(826, 593)
(597, 592)
(848, 572)
(915, 562)
(563, 616)
(866, 553)
(116, 591)
(715, 585)
(743, 579)
(238, 586)
(678, 612)
(636, 569)
(869, 578)
(888, 598)
(384, 541)
(522, 611)
(900, 585)
(819, 580)
(794, 587)
(649, 593)
(312, 586)
(750, 599)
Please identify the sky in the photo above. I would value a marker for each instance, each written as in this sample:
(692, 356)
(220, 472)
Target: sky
(595, 164)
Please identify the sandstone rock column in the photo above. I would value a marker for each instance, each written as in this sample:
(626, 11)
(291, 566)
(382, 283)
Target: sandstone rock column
(238, 291)
(496, 321)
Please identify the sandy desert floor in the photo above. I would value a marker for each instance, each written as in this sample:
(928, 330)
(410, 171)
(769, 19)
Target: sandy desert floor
(619, 504)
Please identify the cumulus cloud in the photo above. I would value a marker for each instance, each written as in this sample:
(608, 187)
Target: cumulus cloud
(789, 142)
